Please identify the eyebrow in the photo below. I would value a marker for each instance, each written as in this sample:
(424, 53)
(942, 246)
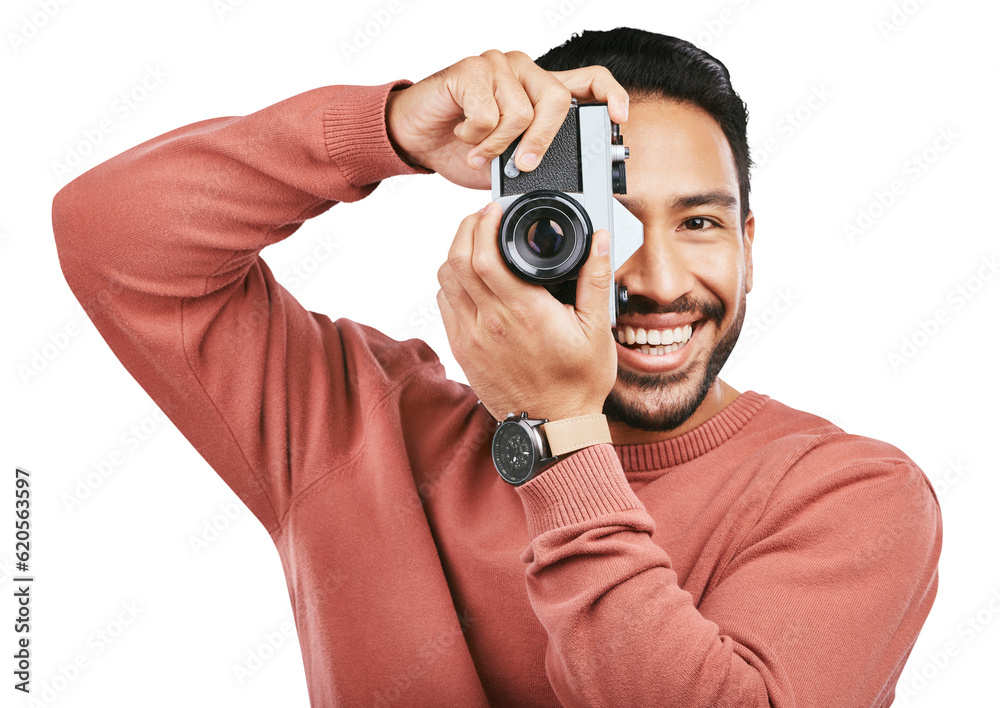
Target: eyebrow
(687, 201)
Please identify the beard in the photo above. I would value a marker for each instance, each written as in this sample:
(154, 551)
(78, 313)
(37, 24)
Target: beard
(663, 402)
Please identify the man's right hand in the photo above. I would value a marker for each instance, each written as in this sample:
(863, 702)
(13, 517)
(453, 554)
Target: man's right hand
(457, 120)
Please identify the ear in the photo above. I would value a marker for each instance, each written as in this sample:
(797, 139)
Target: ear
(748, 226)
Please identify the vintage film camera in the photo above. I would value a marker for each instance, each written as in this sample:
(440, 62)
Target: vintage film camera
(550, 214)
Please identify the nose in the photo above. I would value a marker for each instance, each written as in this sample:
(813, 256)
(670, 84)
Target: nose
(659, 270)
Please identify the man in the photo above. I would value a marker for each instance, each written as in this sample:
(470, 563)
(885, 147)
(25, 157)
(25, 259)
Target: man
(725, 550)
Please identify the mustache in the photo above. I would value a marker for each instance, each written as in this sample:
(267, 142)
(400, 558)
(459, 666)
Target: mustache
(639, 305)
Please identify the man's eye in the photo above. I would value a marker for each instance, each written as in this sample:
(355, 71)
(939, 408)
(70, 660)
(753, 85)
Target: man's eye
(698, 223)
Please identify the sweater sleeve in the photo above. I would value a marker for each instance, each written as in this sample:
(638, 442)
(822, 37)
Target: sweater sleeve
(161, 247)
(820, 606)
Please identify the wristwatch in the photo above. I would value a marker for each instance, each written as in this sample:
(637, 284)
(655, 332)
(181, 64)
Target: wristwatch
(523, 447)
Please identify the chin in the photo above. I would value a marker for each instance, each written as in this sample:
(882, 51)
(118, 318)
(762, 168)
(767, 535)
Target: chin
(657, 402)
(661, 402)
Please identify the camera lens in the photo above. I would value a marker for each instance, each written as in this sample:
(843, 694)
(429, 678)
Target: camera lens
(545, 236)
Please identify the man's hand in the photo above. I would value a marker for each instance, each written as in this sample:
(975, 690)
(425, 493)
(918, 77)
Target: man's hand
(457, 120)
(521, 349)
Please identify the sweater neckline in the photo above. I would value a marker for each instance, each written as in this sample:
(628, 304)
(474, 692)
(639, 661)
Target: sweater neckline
(637, 458)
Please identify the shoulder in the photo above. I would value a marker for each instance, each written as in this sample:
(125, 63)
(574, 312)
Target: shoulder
(805, 436)
(813, 462)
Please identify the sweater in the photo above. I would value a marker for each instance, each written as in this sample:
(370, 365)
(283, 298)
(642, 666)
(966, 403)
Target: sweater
(765, 558)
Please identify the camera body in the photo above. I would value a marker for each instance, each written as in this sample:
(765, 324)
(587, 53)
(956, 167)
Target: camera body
(551, 213)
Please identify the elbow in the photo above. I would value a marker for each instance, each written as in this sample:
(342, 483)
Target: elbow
(77, 227)
(65, 218)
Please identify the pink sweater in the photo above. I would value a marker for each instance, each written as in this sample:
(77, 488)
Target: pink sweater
(766, 558)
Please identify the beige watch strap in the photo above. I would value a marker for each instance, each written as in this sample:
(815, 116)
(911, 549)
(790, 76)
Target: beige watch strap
(570, 434)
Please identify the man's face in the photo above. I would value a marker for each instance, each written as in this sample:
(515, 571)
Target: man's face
(691, 275)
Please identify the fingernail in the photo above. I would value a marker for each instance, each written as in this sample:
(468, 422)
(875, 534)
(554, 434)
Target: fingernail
(623, 108)
(528, 159)
(603, 246)
(486, 208)
(478, 161)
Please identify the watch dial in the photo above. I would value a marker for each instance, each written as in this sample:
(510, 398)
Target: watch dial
(512, 452)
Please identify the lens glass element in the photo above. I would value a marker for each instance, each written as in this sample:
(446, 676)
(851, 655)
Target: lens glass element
(545, 237)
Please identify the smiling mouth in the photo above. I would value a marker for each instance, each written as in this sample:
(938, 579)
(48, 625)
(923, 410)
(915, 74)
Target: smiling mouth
(653, 341)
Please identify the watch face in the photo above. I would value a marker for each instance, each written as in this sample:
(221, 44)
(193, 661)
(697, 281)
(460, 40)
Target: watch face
(513, 453)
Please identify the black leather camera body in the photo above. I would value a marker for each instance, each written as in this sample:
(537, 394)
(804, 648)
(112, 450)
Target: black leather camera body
(551, 213)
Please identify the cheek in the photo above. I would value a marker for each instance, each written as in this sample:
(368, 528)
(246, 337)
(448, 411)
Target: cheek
(720, 270)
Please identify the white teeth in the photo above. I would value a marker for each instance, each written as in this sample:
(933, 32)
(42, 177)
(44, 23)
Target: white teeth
(655, 342)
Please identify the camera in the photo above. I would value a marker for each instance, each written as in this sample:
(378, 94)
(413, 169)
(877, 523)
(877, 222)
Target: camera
(551, 213)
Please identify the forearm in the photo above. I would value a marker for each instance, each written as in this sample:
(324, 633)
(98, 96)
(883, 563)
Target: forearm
(621, 630)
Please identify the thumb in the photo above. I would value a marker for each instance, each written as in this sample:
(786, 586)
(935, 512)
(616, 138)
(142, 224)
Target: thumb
(593, 286)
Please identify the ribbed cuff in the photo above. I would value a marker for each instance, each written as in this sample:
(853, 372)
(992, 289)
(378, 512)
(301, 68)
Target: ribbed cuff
(356, 138)
(586, 485)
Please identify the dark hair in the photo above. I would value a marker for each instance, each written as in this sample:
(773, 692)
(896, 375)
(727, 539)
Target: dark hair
(650, 65)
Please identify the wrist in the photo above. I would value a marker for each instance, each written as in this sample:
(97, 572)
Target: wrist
(523, 447)
(391, 121)
(354, 133)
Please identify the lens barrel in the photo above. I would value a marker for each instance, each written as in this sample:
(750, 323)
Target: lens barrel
(545, 236)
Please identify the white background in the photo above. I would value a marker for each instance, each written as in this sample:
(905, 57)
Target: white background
(894, 75)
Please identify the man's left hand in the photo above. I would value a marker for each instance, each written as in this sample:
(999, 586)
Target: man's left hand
(521, 349)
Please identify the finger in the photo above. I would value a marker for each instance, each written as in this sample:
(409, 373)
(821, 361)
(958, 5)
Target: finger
(593, 285)
(455, 294)
(513, 293)
(460, 262)
(454, 323)
(516, 110)
(551, 101)
(595, 83)
(472, 89)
